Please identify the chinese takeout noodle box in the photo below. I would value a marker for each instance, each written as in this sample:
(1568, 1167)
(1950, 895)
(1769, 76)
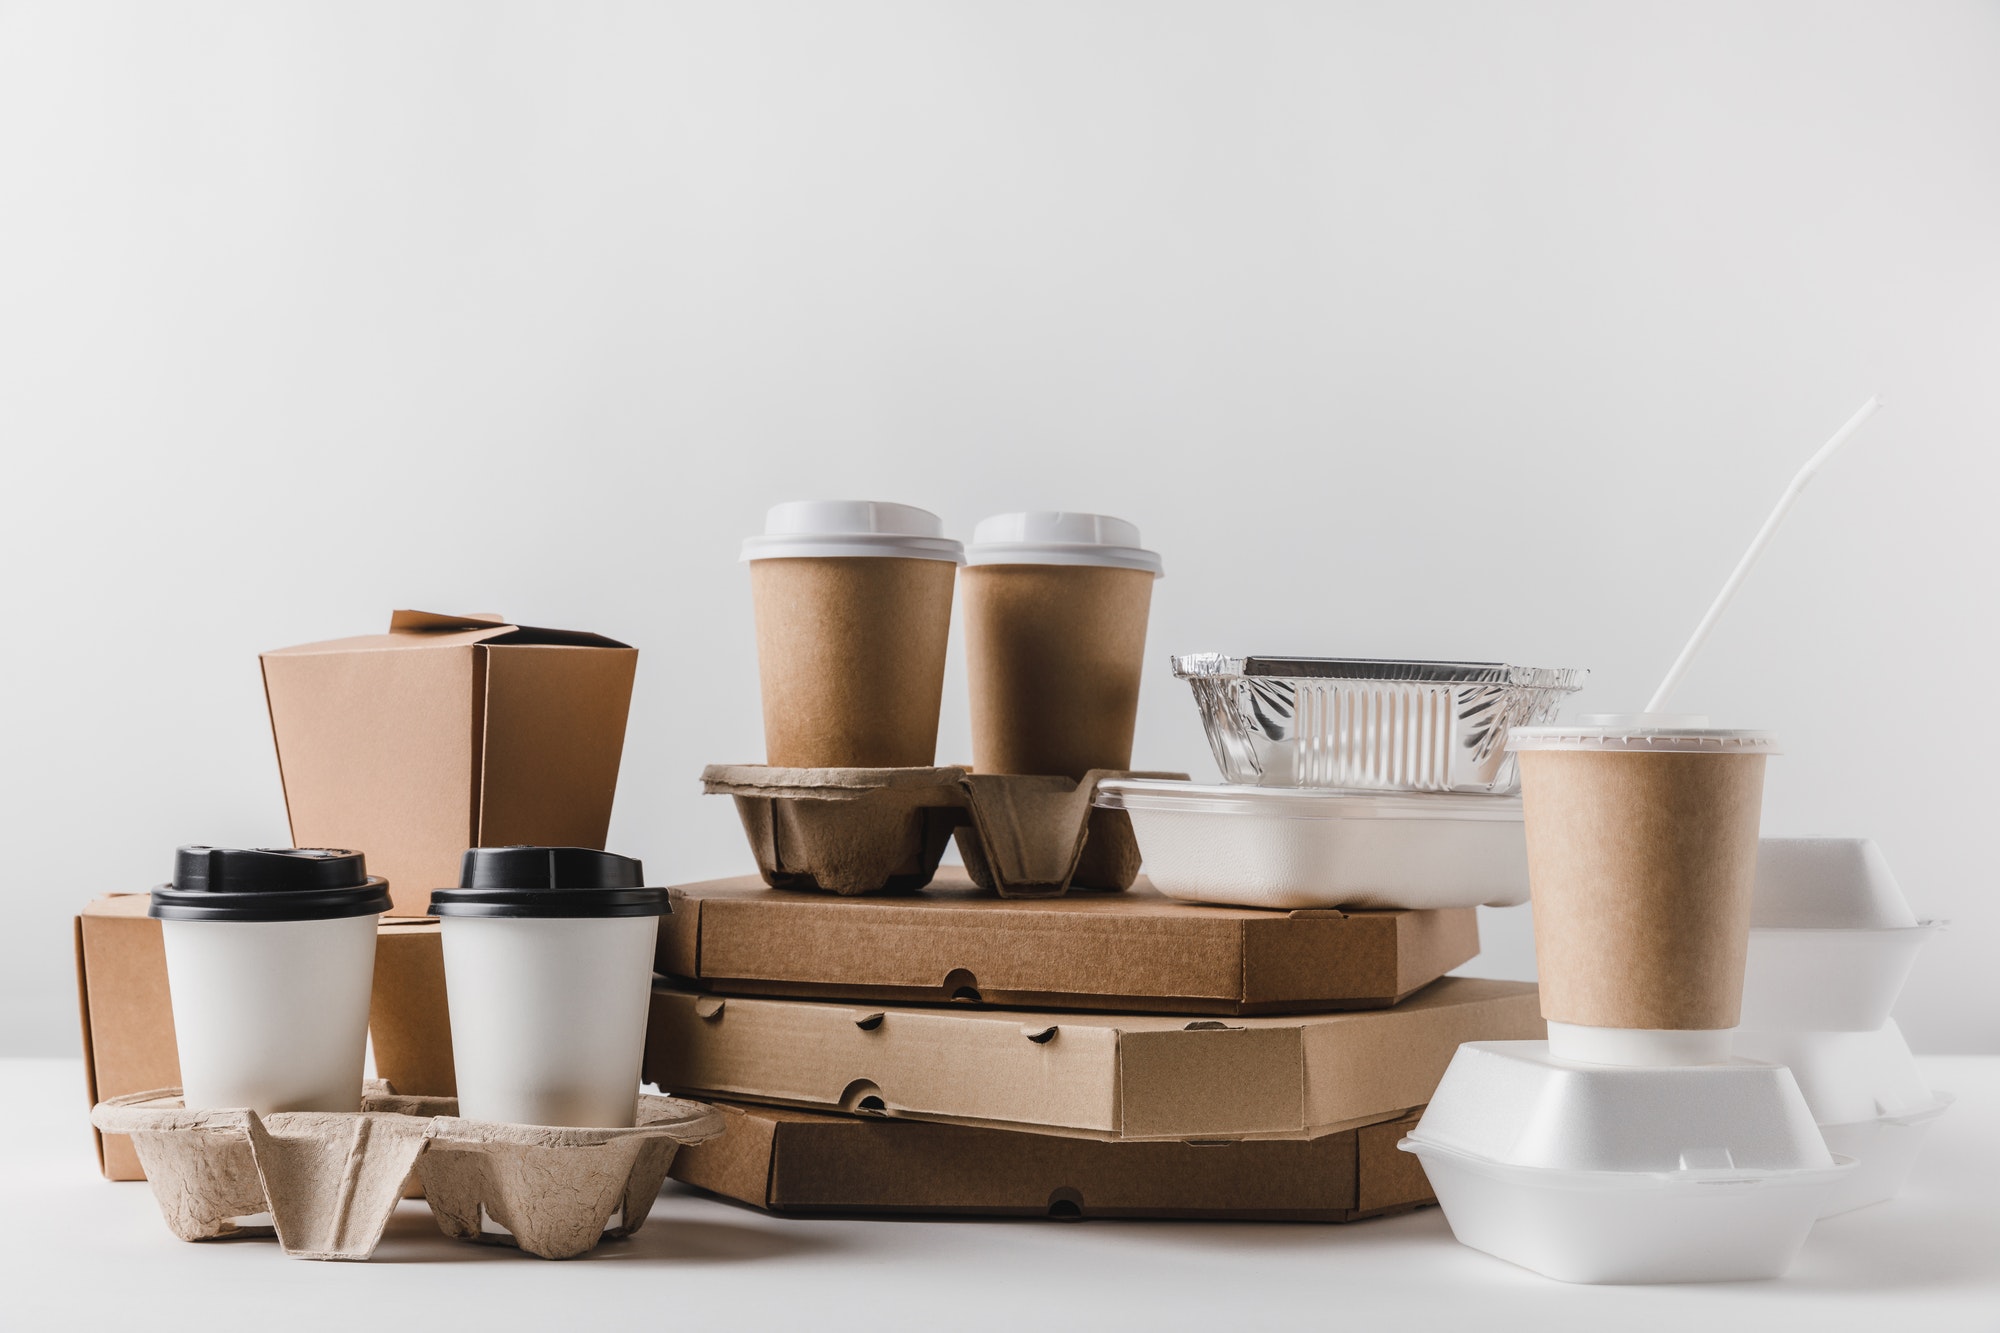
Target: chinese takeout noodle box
(448, 732)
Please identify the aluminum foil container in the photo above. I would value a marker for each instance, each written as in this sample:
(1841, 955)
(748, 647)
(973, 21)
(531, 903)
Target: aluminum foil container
(1368, 725)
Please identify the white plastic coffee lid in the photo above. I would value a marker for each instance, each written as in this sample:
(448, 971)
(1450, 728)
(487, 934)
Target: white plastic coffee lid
(1681, 733)
(832, 528)
(1052, 537)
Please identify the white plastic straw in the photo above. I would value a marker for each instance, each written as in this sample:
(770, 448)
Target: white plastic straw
(1757, 545)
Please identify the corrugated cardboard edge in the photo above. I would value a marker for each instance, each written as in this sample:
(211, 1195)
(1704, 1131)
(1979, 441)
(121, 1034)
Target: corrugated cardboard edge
(89, 1049)
(1409, 950)
(755, 1162)
(1397, 1057)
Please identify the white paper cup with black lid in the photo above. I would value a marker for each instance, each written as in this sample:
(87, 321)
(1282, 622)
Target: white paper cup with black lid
(548, 970)
(270, 961)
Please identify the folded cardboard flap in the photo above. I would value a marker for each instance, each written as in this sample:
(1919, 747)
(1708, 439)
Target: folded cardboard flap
(409, 1016)
(1097, 1075)
(445, 733)
(1136, 951)
(807, 1162)
(128, 1036)
(128, 1017)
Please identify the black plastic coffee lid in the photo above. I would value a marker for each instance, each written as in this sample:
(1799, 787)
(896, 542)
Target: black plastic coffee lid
(269, 884)
(549, 882)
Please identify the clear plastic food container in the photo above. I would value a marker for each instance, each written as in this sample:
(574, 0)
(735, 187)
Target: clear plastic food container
(1263, 847)
(1366, 725)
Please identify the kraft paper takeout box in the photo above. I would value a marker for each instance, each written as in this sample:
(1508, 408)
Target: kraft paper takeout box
(128, 1017)
(327, 1182)
(1099, 1075)
(806, 1162)
(445, 733)
(1136, 951)
(857, 831)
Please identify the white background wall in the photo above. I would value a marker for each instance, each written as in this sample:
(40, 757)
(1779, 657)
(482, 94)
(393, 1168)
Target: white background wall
(1438, 329)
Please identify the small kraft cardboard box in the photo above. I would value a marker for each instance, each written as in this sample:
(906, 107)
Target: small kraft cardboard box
(445, 733)
(128, 1016)
(1137, 951)
(1096, 1075)
(806, 1162)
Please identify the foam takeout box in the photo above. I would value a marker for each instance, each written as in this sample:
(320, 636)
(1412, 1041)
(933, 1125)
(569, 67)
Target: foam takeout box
(448, 732)
(1099, 1075)
(1135, 951)
(807, 1162)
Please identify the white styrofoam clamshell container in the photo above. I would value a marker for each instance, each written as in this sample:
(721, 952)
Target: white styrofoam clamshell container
(1297, 847)
(1693, 1173)
(1828, 979)
(1832, 939)
(1826, 883)
(1870, 1099)
(548, 1016)
(271, 1015)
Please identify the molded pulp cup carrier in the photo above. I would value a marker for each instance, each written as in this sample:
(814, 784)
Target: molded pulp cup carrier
(548, 959)
(1593, 1174)
(271, 959)
(1642, 847)
(1301, 847)
(853, 610)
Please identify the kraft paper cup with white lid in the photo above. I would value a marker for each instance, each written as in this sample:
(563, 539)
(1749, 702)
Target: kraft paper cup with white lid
(853, 609)
(548, 962)
(1642, 860)
(270, 960)
(1056, 605)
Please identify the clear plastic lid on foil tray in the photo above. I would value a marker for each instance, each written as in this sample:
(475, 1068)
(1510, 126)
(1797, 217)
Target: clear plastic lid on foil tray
(1198, 665)
(1300, 802)
(1369, 724)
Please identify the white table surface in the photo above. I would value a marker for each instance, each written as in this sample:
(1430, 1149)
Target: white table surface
(78, 1251)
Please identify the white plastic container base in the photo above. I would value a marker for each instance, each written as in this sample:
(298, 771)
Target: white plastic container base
(1870, 1099)
(548, 1016)
(1296, 847)
(1884, 1150)
(271, 1015)
(1696, 1173)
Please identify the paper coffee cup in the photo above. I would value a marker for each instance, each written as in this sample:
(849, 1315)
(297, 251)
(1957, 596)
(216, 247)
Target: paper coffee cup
(1055, 608)
(548, 971)
(270, 962)
(1642, 857)
(853, 607)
